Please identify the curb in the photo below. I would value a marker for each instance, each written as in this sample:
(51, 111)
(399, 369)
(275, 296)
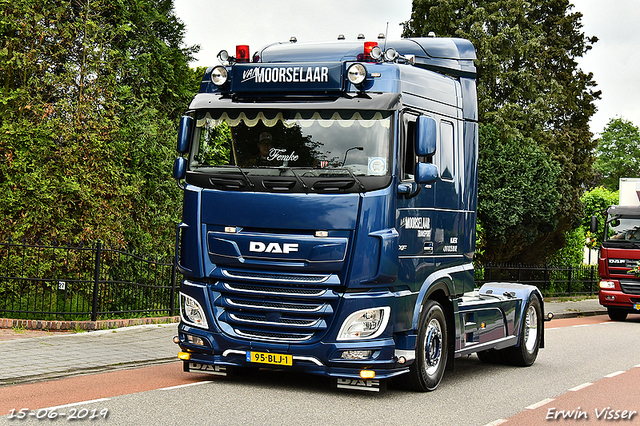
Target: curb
(83, 325)
(577, 314)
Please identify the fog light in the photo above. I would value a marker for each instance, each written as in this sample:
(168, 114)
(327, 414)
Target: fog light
(402, 360)
(195, 340)
(611, 298)
(356, 354)
(176, 339)
(367, 374)
(185, 356)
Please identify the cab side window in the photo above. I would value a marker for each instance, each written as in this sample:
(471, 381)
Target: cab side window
(447, 150)
(409, 155)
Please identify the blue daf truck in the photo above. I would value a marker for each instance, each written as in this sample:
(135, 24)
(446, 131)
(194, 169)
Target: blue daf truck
(329, 216)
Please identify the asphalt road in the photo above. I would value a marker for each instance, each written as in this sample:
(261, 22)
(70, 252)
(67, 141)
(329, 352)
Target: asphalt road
(570, 373)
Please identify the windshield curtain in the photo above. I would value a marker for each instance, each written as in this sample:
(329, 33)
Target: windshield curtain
(263, 141)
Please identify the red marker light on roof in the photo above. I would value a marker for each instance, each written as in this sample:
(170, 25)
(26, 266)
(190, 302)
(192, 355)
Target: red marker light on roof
(242, 53)
(368, 45)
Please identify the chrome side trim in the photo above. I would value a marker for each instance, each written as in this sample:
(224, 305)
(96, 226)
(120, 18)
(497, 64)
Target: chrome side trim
(408, 355)
(310, 359)
(233, 351)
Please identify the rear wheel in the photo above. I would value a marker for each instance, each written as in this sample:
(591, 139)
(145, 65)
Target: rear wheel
(432, 346)
(617, 314)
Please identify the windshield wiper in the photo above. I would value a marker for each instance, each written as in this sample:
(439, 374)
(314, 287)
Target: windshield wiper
(298, 178)
(355, 179)
(244, 175)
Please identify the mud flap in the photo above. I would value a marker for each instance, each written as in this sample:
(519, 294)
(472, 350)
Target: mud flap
(371, 385)
(194, 367)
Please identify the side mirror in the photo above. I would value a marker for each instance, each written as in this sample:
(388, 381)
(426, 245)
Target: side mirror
(594, 224)
(184, 134)
(180, 168)
(426, 136)
(426, 173)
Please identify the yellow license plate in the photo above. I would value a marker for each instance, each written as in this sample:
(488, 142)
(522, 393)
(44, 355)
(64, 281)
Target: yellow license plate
(267, 358)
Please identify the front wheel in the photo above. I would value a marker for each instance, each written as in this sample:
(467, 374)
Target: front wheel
(617, 314)
(432, 347)
(530, 335)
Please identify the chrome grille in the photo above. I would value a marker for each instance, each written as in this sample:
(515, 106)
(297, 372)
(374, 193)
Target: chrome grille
(275, 277)
(630, 286)
(259, 319)
(270, 311)
(281, 337)
(274, 305)
(275, 290)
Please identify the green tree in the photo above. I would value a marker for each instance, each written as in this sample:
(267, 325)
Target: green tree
(529, 86)
(618, 153)
(518, 182)
(595, 202)
(90, 97)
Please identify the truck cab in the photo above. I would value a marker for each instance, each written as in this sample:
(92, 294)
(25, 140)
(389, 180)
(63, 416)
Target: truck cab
(620, 253)
(329, 212)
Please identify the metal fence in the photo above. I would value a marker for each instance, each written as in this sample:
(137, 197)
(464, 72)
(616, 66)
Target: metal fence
(83, 282)
(552, 281)
(95, 281)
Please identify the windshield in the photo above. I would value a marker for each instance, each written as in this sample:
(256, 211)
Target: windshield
(314, 143)
(623, 229)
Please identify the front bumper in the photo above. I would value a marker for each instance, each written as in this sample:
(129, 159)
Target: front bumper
(612, 298)
(322, 358)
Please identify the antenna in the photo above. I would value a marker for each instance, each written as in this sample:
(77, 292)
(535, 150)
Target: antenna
(386, 36)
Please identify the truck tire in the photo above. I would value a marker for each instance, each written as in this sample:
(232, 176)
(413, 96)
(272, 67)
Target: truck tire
(531, 330)
(617, 314)
(432, 349)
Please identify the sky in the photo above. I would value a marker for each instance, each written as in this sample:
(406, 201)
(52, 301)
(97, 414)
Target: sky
(613, 60)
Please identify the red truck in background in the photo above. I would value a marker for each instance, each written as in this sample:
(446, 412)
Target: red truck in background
(620, 253)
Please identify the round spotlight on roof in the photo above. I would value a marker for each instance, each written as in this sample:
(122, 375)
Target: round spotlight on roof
(223, 56)
(376, 53)
(356, 73)
(340, 36)
(219, 75)
(293, 39)
(391, 54)
(360, 36)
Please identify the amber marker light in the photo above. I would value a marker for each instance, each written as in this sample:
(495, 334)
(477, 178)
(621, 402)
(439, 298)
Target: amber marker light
(367, 374)
(185, 356)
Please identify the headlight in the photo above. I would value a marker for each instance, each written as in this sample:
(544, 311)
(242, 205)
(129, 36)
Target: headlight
(191, 312)
(219, 75)
(607, 284)
(365, 324)
(356, 73)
